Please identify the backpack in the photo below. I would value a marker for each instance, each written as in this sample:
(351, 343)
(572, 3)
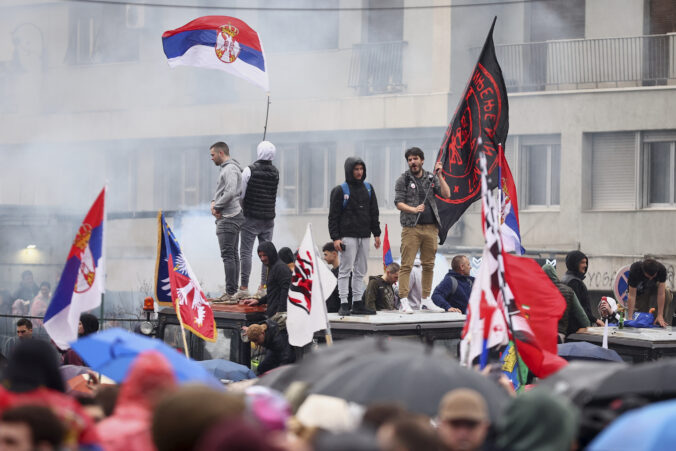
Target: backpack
(346, 192)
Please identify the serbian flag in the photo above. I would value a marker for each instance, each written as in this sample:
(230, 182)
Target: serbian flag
(509, 209)
(483, 113)
(311, 284)
(83, 278)
(387, 252)
(188, 298)
(218, 42)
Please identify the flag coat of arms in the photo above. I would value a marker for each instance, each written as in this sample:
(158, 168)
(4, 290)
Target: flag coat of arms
(509, 209)
(218, 42)
(483, 114)
(311, 284)
(83, 278)
(187, 296)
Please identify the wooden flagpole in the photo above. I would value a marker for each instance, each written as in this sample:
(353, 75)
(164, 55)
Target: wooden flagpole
(180, 321)
(329, 337)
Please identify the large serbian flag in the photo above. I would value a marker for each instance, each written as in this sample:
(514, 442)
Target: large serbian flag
(82, 280)
(218, 42)
(188, 298)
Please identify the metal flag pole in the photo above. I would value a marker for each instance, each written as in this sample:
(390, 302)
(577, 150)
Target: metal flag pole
(329, 337)
(427, 193)
(267, 112)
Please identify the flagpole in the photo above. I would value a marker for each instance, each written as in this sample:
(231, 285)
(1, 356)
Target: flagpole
(329, 337)
(180, 321)
(267, 112)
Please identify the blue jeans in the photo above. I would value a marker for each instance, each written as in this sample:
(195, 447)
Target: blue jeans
(251, 229)
(227, 231)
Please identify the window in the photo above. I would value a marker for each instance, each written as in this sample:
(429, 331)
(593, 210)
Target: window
(319, 165)
(287, 158)
(660, 169)
(540, 169)
(613, 171)
(384, 164)
(183, 178)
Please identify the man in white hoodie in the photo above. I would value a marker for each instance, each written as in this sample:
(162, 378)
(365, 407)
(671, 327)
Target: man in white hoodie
(259, 193)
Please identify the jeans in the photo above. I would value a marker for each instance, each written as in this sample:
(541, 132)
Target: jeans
(423, 237)
(251, 229)
(353, 259)
(227, 231)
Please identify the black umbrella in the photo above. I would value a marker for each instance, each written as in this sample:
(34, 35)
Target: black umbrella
(582, 350)
(385, 370)
(579, 380)
(655, 380)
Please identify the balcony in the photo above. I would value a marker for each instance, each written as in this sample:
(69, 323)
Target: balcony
(589, 63)
(376, 68)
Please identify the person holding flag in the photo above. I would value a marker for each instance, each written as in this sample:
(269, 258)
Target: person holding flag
(414, 191)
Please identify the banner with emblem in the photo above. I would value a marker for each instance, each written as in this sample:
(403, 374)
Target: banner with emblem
(218, 42)
(187, 297)
(482, 115)
(82, 281)
(312, 283)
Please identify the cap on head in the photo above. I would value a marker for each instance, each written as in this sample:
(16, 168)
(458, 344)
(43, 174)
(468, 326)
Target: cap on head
(463, 404)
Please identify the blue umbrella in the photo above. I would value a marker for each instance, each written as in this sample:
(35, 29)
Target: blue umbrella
(225, 369)
(648, 428)
(112, 352)
(582, 350)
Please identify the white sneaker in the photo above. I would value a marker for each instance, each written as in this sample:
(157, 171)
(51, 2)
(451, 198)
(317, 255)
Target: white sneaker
(405, 306)
(427, 303)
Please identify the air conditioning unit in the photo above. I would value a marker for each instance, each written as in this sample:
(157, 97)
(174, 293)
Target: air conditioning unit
(134, 16)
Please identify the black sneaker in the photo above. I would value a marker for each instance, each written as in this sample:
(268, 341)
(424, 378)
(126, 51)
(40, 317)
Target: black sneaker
(359, 308)
(344, 310)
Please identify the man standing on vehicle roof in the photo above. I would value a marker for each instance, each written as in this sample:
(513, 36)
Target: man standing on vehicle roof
(353, 217)
(414, 194)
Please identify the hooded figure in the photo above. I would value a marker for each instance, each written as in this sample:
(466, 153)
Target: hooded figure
(574, 278)
(538, 421)
(88, 325)
(353, 217)
(33, 364)
(279, 279)
(129, 428)
(574, 317)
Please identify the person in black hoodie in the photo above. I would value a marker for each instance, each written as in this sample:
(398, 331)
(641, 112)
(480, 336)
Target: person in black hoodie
(275, 339)
(353, 217)
(577, 264)
(279, 279)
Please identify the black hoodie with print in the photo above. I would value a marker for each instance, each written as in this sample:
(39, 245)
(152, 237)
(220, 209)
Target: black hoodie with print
(279, 279)
(359, 218)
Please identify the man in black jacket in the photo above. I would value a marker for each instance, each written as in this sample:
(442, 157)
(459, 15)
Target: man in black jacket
(577, 264)
(275, 339)
(353, 217)
(279, 279)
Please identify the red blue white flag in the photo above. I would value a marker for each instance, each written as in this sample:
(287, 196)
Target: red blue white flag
(82, 280)
(312, 283)
(387, 252)
(187, 296)
(509, 209)
(218, 42)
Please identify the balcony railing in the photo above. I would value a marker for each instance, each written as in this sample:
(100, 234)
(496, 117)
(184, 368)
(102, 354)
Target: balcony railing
(589, 63)
(376, 68)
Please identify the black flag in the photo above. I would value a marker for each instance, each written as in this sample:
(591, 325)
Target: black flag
(481, 120)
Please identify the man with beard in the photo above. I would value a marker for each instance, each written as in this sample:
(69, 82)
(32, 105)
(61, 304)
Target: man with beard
(279, 279)
(414, 198)
(577, 264)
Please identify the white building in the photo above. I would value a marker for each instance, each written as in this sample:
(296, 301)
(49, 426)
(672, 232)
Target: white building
(87, 96)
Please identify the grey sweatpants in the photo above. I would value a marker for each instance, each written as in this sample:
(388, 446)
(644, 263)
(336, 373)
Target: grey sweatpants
(353, 259)
(251, 229)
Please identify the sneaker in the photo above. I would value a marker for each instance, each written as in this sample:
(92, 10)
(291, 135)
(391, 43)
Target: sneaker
(242, 294)
(344, 310)
(225, 298)
(359, 308)
(405, 306)
(260, 293)
(427, 303)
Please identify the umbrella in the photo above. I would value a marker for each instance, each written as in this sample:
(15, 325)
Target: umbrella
(655, 379)
(225, 369)
(579, 379)
(583, 350)
(647, 428)
(376, 370)
(112, 352)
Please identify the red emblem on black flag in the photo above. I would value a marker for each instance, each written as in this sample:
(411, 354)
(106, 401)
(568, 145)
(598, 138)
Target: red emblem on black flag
(480, 121)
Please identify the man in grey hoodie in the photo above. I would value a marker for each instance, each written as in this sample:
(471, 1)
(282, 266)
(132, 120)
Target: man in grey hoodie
(259, 194)
(225, 207)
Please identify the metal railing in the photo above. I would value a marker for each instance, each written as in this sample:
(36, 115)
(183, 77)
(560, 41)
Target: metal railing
(588, 63)
(376, 68)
